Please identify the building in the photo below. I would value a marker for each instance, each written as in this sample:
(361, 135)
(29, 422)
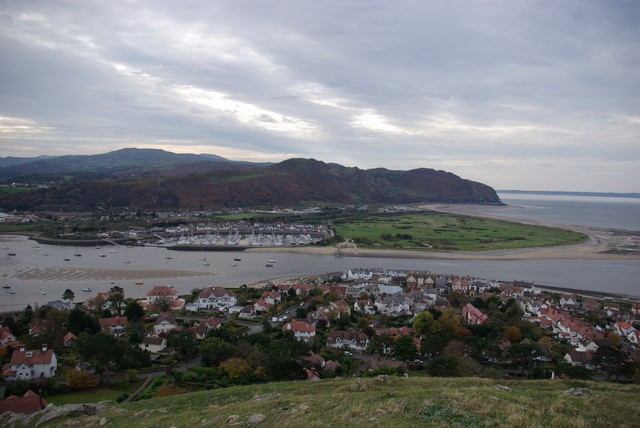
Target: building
(8, 339)
(216, 298)
(205, 326)
(354, 340)
(31, 364)
(302, 330)
(160, 294)
(164, 324)
(472, 315)
(30, 402)
(116, 326)
(153, 344)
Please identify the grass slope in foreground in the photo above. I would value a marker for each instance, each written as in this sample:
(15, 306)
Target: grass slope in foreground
(448, 232)
(390, 401)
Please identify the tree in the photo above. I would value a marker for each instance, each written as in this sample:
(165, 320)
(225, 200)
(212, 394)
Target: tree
(457, 299)
(611, 360)
(285, 370)
(235, 367)
(68, 295)
(381, 344)
(301, 313)
(447, 324)
(80, 321)
(117, 289)
(215, 350)
(525, 354)
(405, 349)
(27, 316)
(135, 332)
(184, 342)
(133, 311)
(98, 304)
(77, 379)
(116, 300)
(512, 333)
(443, 366)
(423, 321)
(102, 349)
(163, 303)
(615, 338)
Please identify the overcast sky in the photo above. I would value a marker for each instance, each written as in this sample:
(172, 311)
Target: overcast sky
(534, 95)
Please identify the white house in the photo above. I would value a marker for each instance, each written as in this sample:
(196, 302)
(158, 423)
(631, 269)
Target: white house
(153, 344)
(354, 340)
(162, 293)
(31, 364)
(302, 330)
(216, 298)
(248, 312)
(164, 324)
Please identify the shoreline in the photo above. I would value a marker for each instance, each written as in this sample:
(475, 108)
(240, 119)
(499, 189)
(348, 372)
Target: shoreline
(603, 244)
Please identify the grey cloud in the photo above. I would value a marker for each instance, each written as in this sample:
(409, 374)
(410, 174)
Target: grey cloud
(458, 82)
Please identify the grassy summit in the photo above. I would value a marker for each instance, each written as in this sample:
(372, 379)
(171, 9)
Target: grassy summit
(389, 401)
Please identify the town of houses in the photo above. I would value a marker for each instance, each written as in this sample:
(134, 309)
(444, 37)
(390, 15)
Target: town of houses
(581, 324)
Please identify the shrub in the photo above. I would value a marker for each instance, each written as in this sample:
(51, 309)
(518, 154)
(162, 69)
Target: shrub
(77, 379)
(169, 389)
(122, 397)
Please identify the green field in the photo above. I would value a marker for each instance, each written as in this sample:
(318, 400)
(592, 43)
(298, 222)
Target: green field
(389, 401)
(93, 395)
(16, 227)
(448, 232)
(17, 189)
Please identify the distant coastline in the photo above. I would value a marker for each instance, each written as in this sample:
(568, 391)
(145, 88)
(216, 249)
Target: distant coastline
(561, 193)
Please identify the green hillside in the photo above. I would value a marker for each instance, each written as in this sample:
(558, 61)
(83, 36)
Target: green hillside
(386, 402)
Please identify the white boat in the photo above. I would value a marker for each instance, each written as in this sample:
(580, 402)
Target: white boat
(113, 251)
(87, 289)
(127, 261)
(12, 292)
(44, 293)
(206, 264)
(271, 260)
(45, 254)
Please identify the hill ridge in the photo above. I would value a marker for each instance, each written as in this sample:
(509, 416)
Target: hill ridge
(293, 182)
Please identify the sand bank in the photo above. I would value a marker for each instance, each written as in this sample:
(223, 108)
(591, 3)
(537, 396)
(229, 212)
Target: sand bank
(62, 273)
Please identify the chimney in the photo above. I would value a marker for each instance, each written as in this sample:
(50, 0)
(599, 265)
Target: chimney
(22, 348)
(44, 347)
